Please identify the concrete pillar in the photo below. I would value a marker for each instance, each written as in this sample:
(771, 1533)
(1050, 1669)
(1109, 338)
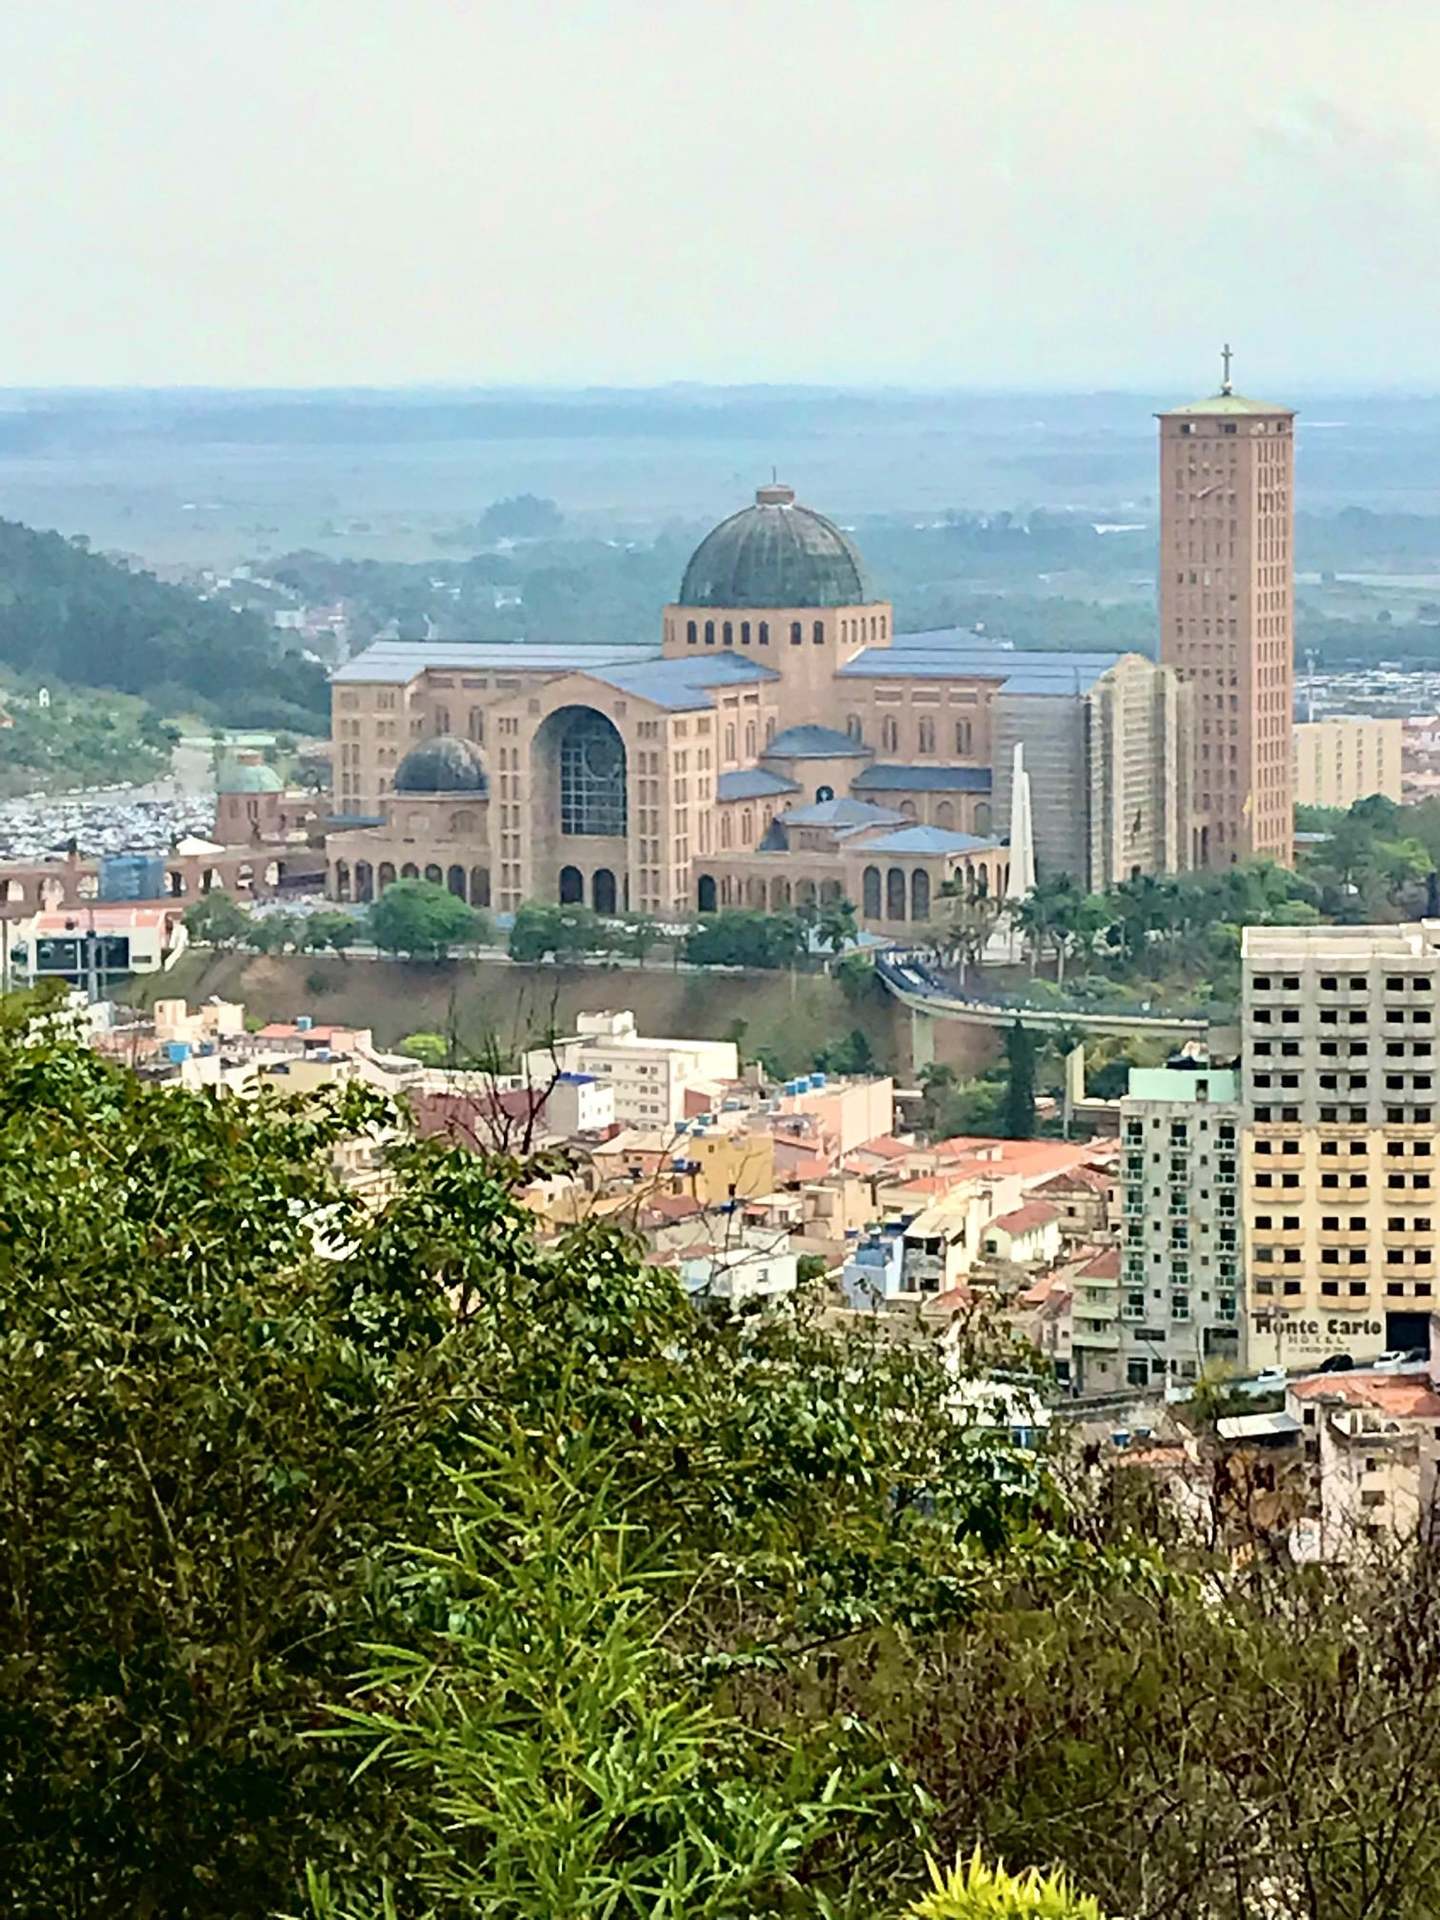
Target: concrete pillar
(922, 1039)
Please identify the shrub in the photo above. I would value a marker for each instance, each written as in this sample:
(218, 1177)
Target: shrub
(977, 1892)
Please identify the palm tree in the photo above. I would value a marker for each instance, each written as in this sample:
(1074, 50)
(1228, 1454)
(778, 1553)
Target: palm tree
(1049, 916)
(837, 927)
(967, 926)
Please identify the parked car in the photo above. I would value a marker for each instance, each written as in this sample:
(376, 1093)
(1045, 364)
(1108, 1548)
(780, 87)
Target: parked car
(1271, 1377)
(1398, 1357)
(1336, 1363)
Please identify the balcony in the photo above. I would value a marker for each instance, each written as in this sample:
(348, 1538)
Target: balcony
(1097, 1336)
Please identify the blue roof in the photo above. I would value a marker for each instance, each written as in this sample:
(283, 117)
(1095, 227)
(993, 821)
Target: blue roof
(954, 653)
(893, 778)
(680, 685)
(841, 813)
(393, 660)
(753, 783)
(928, 840)
(811, 742)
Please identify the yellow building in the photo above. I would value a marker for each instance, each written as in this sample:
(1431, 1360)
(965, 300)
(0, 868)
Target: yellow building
(1340, 1163)
(783, 746)
(1340, 761)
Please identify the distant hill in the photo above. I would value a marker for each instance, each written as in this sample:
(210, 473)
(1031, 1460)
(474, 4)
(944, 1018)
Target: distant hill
(70, 615)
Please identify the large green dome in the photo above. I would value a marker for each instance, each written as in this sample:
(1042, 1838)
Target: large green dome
(774, 554)
(248, 776)
(443, 764)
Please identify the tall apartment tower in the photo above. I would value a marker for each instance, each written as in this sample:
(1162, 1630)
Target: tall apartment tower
(1227, 615)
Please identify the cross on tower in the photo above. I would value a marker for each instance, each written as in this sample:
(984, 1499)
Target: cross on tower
(1225, 358)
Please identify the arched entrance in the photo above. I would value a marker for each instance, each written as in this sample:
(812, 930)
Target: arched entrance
(342, 880)
(479, 886)
(870, 893)
(895, 894)
(386, 876)
(455, 881)
(572, 887)
(364, 880)
(602, 890)
(705, 893)
(434, 876)
(919, 894)
(409, 871)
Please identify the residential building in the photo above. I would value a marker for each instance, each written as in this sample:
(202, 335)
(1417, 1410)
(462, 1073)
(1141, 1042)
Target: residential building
(1180, 1297)
(1227, 615)
(1371, 1447)
(1340, 1163)
(1028, 1235)
(649, 1075)
(760, 1266)
(781, 745)
(1348, 758)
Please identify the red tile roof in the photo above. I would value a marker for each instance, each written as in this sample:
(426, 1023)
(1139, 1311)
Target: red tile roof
(1405, 1396)
(1035, 1213)
(1104, 1265)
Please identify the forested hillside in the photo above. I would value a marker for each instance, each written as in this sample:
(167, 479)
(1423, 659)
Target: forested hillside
(71, 616)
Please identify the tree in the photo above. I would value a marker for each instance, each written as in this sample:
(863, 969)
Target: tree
(430, 1049)
(331, 928)
(214, 920)
(642, 933)
(967, 920)
(837, 926)
(422, 920)
(1018, 1116)
(523, 516)
(1049, 916)
(274, 932)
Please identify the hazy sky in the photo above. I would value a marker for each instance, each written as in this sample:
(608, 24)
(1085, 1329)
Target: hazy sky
(1050, 193)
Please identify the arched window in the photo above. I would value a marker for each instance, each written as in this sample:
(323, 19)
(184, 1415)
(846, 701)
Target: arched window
(592, 776)
(747, 827)
(764, 633)
(945, 815)
(364, 880)
(796, 633)
(728, 634)
(895, 894)
(962, 736)
(342, 880)
(454, 880)
(870, 894)
(692, 633)
(982, 883)
(709, 633)
(409, 871)
(907, 807)
(705, 893)
(602, 891)
(889, 734)
(386, 876)
(769, 729)
(464, 821)
(434, 876)
(805, 893)
(817, 633)
(854, 727)
(749, 739)
(927, 734)
(724, 831)
(779, 895)
(729, 741)
(442, 719)
(479, 886)
(572, 887)
(822, 794)
(982, 816)
(477, 725)
(744, 633)
(919, 894)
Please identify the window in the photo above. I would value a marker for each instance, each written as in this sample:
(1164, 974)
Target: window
(817, 633)
(963, 736)
(764, 633)
(691, 632)
(889, 734)
(728, 634)
(709, 633)
(797, 633)
(927, 735)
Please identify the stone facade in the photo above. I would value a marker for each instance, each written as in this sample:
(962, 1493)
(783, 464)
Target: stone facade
(697, 775)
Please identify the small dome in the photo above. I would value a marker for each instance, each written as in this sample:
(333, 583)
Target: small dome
(247, 776)
(775, 554)
(444, 764)
(811, 742)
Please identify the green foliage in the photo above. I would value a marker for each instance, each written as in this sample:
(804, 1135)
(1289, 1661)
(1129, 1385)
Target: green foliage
(77, 741)
(422, 920)
(811, 1266)
(1017, 1118)
(742, 938)
(973, 1891)
(275, 933)
(214, 920)
(331, 928)
(853, 1054)
(524, 516)
(856, 974)
(430, 1049)
(68, 613)
(542, 931)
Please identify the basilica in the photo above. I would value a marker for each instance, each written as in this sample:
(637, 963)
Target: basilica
(781, 744)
